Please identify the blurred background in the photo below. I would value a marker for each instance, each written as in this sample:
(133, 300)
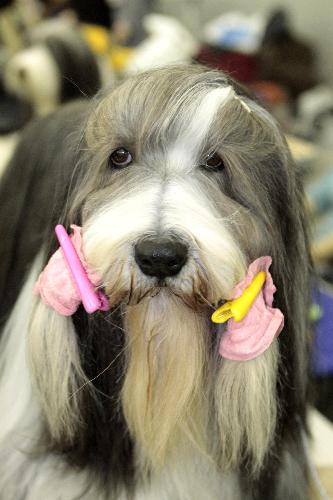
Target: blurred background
(55, 51)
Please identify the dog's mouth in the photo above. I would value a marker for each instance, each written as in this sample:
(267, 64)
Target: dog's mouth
(127, 284)
(193, 297)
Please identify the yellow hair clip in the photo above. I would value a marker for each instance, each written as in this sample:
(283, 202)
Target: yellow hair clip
(238, 308)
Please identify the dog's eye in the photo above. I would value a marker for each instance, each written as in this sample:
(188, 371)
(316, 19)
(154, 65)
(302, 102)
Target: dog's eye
(120, 158)
(213, 162)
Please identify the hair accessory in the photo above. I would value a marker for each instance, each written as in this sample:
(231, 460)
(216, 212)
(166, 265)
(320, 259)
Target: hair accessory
(92, 300)
(238, 308)
(67, 280)
(253, 323)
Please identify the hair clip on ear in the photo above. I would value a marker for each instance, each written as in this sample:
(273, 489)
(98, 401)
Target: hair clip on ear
(253, 322)
(238, 308)
(92, 300)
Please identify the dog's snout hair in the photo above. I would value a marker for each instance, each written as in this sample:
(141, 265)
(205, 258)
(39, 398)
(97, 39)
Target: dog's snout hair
(179, 181)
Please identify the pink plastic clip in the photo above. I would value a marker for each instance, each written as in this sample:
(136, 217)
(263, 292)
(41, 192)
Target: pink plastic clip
(92, 300)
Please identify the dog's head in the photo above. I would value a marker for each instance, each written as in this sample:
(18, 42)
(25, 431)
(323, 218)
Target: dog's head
(186, 183)
(183, 182)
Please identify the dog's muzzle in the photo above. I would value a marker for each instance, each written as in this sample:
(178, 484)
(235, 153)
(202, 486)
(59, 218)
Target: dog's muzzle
(160, 257)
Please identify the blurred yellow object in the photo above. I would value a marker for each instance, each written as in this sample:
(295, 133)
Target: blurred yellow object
(97, 37)
(100, 41)
(120, 57)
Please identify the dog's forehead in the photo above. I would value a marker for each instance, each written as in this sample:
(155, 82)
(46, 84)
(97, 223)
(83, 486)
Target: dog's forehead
(168, 105)
(172, 119)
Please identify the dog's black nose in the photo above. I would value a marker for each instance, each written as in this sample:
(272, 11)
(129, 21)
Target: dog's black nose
(160, 257)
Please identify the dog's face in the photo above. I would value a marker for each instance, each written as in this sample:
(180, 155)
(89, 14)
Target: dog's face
(178, 192)
(184, 183)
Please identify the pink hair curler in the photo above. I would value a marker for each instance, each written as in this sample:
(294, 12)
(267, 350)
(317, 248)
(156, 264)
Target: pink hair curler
(92, 300)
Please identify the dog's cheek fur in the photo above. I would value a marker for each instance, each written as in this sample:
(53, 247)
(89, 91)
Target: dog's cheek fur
(109, 236)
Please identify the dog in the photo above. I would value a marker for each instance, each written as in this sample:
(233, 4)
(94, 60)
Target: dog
(58, 66)
(177, 181)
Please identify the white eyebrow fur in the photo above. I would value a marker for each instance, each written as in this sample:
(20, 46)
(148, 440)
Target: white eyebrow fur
(196, 126)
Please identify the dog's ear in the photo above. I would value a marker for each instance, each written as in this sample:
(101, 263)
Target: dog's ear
(292, 270)
(272, 192)
(56, 370)
(78, 365)
(33, 192)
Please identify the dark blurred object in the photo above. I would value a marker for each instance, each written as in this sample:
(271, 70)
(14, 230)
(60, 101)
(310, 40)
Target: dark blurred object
(97, 12)
(284, 58)
(5, 3)
(53, 7)
(243, 67)
(128, 28)
(323, 395)
(14, 113)
(77, 66)
(322, 356)
(277, 28)
(93, 12)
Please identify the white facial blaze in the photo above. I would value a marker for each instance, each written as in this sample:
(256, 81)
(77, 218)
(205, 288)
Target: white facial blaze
(183, 153)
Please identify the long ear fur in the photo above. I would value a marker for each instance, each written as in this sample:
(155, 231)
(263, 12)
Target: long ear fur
(257, 401)
(56, 369)
(39, 174)
(65, 354)
(246, 408)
